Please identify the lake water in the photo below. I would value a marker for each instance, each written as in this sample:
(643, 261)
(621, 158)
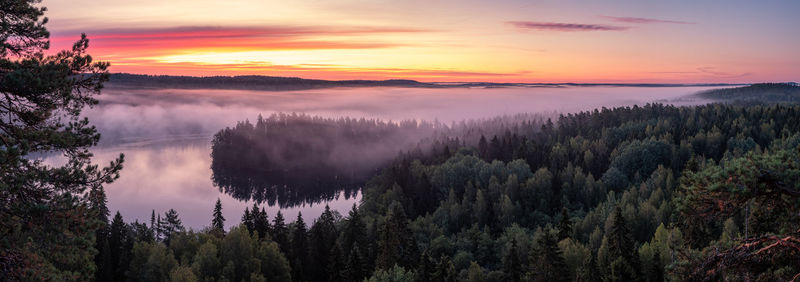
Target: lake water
(165, 133)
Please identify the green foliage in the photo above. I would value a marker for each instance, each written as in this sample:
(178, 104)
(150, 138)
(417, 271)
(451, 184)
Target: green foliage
(547, 262)
(48, 221)
(397, 245)
(393, 274)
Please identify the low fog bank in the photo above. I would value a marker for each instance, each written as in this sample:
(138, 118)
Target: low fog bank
(155, 115)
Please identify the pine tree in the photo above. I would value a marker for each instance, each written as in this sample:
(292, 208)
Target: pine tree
(47, 229)
(218, 222)
(565, 225)
(171, 225)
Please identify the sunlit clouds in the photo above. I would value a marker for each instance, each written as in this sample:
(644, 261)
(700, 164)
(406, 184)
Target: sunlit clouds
(503, 41)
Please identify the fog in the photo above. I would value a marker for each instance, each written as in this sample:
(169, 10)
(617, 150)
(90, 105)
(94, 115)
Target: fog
(165, 133)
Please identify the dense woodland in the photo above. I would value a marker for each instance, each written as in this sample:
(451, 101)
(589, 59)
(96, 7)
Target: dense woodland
(646, 193)
(756, 93)
(651, 193)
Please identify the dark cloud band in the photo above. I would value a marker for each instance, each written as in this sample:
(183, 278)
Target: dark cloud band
(551, 26)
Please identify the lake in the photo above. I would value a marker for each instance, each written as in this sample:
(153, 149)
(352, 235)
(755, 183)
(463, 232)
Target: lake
(165, 133)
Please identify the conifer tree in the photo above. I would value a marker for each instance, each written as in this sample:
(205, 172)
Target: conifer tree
(445, 271)
(426, 270)
(397, 245)
(512, 266)
(547, 262)
(299, 254)
(218, 222)
(120, 245)
(45, 221)
(356, 267)
(280, 234)
(354, 230)
(622, 256)
(565, 225)
(171, 225)
(322, 240)
(261, 223)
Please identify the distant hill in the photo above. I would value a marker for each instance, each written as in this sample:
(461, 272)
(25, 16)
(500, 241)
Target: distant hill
(251, 82)
(274, 83)
(759, 93)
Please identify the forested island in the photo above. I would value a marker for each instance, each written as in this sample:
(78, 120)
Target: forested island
(292, 159)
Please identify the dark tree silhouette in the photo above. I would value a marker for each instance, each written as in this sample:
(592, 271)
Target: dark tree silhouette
(44, 221)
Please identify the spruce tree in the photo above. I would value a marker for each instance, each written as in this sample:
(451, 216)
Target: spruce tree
(354, 230)
(336, 265)
(565, 225)
(397, 245)
(261, 223)
(153, 222)
(356, 267)
(547, 262)
(512, 266)
(218, 222)
(247, 220)
(280, 234)
(299, 255)
(622, 256)
(99, 210)
(444, 271)
(426, 269)
(120, 245)
(323, 238)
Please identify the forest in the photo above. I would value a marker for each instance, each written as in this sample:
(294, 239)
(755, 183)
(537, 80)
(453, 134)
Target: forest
(642, 193)
(649, 193)
(756, 93)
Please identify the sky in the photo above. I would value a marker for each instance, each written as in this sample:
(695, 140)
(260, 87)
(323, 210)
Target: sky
(611, 41)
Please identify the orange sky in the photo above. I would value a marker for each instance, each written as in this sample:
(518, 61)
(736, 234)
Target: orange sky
(500, 41)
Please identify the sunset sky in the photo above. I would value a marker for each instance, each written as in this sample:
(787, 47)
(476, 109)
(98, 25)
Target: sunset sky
(501, 41)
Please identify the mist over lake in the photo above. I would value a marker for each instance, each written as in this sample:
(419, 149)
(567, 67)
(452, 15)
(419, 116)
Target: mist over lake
(165, 133)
